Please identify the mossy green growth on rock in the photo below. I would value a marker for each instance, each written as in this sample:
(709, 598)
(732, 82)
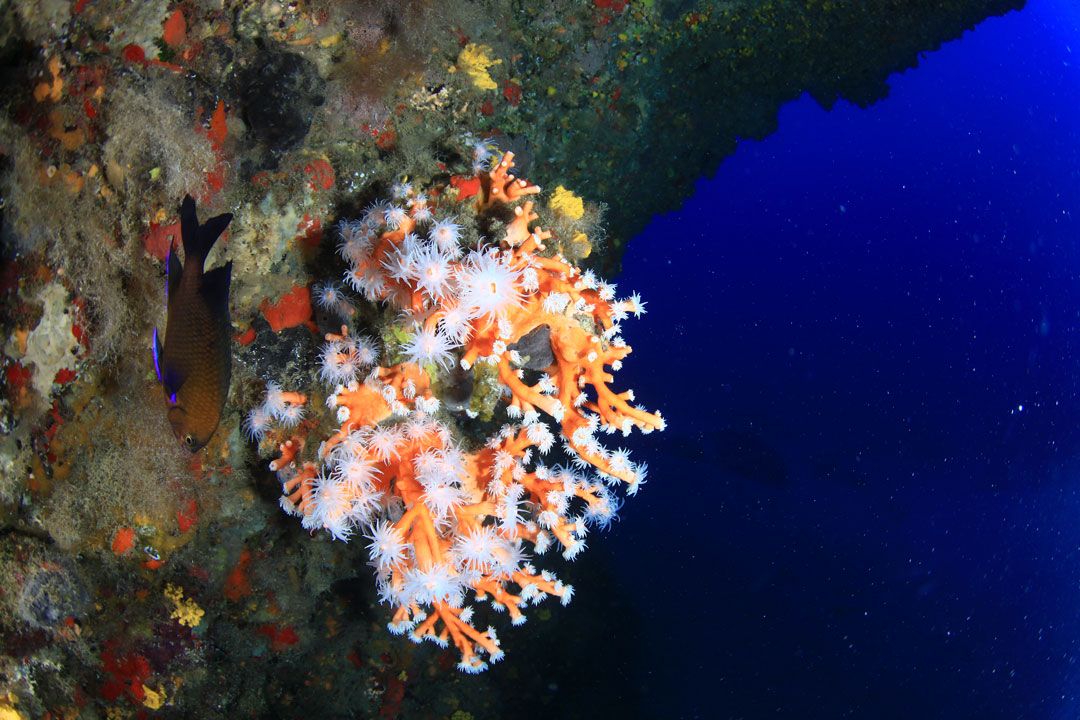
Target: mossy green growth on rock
(486, 391)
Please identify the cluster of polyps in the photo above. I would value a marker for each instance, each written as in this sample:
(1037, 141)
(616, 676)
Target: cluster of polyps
(443, 526)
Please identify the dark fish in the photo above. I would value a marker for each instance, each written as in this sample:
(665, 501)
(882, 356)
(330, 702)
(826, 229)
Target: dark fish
(195, 364)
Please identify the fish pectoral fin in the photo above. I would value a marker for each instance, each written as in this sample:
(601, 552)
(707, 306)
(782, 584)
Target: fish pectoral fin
(173, 381)
(158, 354)
(215, 289)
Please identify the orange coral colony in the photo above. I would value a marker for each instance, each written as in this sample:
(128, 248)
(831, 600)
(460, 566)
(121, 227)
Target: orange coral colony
(446, 527)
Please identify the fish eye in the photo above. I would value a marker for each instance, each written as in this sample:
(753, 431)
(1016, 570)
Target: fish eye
(189, 440)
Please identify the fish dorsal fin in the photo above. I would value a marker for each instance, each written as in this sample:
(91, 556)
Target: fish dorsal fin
(215, 288)
(199, 239)
(173, 271)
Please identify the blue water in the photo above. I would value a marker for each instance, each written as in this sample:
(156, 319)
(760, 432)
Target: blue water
(864, 332)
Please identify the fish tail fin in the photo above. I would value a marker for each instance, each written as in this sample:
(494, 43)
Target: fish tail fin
(199, 239)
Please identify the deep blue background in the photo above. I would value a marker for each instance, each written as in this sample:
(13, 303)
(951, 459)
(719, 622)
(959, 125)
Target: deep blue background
(864, 334)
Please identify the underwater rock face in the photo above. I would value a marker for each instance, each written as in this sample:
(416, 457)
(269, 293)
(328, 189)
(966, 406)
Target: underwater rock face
(535, 349)
(42, 588)
(278, 93)
(50, 594)
(281, 356)
(734, 64)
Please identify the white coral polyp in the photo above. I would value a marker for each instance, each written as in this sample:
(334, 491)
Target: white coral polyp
(488, 284)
